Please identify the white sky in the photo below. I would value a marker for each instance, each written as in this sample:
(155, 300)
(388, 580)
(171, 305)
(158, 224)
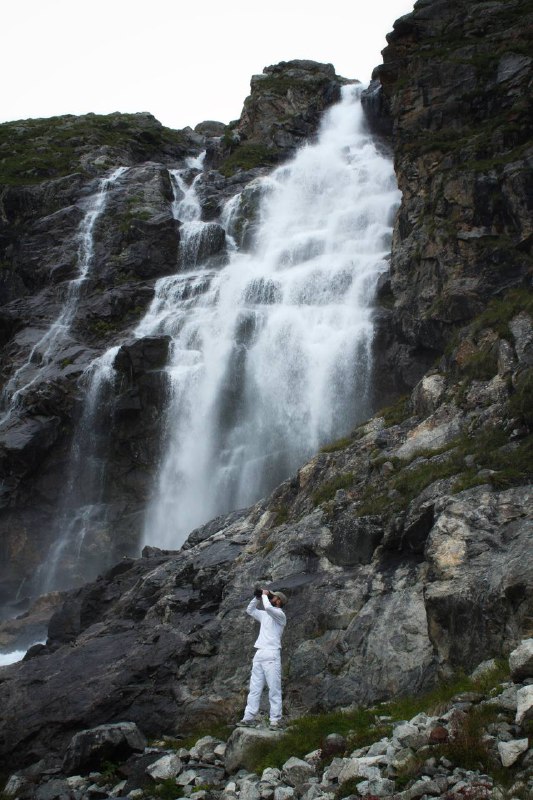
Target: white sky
(182, 61)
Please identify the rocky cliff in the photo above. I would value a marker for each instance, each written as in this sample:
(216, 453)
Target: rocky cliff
(455, 90)
(405, 548)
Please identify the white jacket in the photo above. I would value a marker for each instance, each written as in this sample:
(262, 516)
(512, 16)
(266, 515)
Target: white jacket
(272, 621)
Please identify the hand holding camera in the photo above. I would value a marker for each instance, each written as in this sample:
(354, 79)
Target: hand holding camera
(259, 592)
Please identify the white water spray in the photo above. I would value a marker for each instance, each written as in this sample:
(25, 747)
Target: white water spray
(271, 355)
(44, 350)
(83, 513)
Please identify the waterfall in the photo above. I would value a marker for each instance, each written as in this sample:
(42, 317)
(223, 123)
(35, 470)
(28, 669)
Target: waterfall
(82, 517)
(46, 348)
(270, 355)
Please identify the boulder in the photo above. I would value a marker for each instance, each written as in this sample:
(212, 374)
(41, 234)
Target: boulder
(521, 661)
(295, 771)
(88, 748)
(524, 704)
(165, 767)
(510, 752)
(242, 741)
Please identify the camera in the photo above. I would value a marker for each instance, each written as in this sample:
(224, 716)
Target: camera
(258, 593)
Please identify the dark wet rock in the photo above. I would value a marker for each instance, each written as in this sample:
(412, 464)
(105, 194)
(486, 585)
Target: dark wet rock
(90, 748)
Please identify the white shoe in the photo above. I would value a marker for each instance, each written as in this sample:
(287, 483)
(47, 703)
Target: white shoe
(247, 723)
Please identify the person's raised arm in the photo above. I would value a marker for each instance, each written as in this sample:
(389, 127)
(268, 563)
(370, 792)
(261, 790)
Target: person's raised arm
(252, 609)
(272, 611)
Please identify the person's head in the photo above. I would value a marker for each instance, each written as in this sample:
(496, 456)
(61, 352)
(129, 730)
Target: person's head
(278, 599)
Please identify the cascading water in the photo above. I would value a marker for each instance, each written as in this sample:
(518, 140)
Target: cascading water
(271, 354)
(82, 517)
(43, 351)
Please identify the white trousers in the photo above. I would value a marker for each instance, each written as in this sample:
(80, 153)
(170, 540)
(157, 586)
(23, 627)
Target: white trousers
(266, 668)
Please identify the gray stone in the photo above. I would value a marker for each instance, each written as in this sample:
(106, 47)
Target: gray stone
(483, 668)
(205, 746)
(271, 774)
(524, 704)
(249, 789)
(378, 787)
(427, 394)
(56, 789)
(510, 752)
(378, 748)
(283, 792)
(295, 771)
(361, 767)
(522, 329)
(187, 777)
(14, 785)
(167, 766)
(507, 699)
(521, 661)
(332, 772)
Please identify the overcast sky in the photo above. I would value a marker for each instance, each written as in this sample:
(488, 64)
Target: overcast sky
(182, 61)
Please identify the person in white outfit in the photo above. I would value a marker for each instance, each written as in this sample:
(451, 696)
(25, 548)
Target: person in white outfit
(266, 666)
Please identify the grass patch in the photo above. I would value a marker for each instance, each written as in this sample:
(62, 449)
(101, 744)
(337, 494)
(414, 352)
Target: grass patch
(482, 365)
(308, 733)
(363, 726)
(34, 150)
(521, 402)
(248, 156)
(501, 310)
(167, 789)
(281, 514)
(511, 462)
(329, 488)
(339, 444)
(395, 413)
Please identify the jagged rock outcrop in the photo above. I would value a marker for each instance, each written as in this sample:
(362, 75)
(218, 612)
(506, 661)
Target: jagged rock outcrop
(455, 87)
(283, 110)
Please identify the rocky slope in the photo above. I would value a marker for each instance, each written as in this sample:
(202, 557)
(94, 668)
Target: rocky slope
(475, 744)
(51, 172)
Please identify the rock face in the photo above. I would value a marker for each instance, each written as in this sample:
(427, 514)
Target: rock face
(282, 112)
(454, 89)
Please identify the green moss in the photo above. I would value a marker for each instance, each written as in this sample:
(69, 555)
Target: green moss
(248, 156)
(328, 489)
